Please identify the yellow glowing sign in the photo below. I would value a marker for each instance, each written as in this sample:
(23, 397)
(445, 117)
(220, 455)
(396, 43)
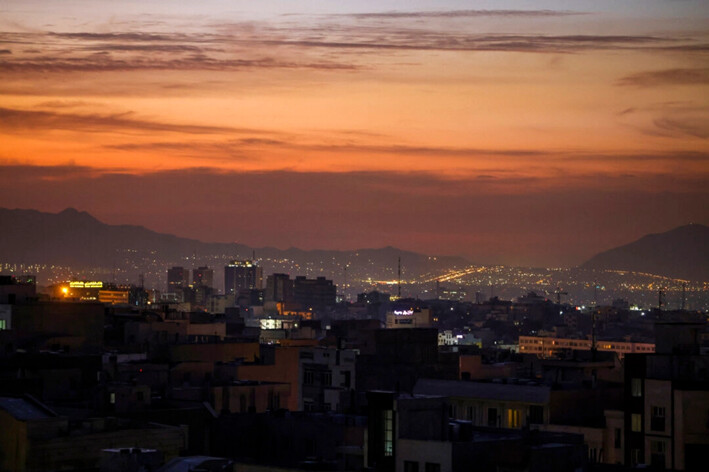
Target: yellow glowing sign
(79, 284)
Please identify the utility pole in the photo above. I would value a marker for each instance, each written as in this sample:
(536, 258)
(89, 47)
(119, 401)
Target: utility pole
(344, 289)
(399, 285)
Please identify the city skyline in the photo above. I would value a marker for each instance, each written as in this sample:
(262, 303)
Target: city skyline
(514, 132)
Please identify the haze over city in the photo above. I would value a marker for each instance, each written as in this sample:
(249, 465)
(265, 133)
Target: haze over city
(527, 133)
(391, 236)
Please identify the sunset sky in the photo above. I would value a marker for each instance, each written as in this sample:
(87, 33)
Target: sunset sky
(517, 132)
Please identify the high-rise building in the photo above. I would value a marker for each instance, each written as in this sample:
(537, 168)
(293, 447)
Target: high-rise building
(314, 294)
(203, 277)
(177, 279)
(279, 288)
(242, 275)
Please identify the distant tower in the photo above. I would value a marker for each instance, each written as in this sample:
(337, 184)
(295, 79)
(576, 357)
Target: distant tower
(242, 275)
(344, 287)
(279, 288)
(203, 276)
(176, 279)
(684, 296)
(559, 293)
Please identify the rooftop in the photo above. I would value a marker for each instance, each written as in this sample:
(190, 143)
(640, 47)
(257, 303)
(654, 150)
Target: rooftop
(487, 390)
(25, 409)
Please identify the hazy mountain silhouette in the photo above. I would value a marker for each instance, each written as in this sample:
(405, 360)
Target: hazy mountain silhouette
(681, 253)
(77, 239)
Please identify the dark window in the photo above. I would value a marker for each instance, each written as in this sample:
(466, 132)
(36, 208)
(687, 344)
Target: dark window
(657, 420)
(536, 414)
(492, 417)
(657, 454)
(618, 439)
(326, 378)
(411, 466)
(433, 467)
(348, 380)
(308, 378)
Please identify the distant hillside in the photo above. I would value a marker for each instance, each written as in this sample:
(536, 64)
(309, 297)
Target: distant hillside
(77, 239)
(681, 253)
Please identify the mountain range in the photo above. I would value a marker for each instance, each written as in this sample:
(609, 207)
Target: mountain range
(76, 239)
(681, 253)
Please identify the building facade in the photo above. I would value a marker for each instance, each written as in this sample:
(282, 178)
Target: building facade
(242, 275)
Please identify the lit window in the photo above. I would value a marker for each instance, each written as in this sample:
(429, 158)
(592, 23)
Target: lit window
(636, 422)
(388, 432)
(513, 418)
(3, 324)
(636, 387)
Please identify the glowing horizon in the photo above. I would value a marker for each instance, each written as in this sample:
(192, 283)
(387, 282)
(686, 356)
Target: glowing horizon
(514, 131)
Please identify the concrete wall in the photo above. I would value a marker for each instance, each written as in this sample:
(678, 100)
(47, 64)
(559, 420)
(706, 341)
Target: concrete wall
(438, 452)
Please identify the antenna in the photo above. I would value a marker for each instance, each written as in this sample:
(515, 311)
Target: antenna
(559, 293)
(593, 334)
(344, 289)
(399, 288)
(253, 255)
(141, 281)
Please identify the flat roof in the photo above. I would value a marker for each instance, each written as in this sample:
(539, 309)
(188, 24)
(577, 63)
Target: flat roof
(485, 390)
(24, 410)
